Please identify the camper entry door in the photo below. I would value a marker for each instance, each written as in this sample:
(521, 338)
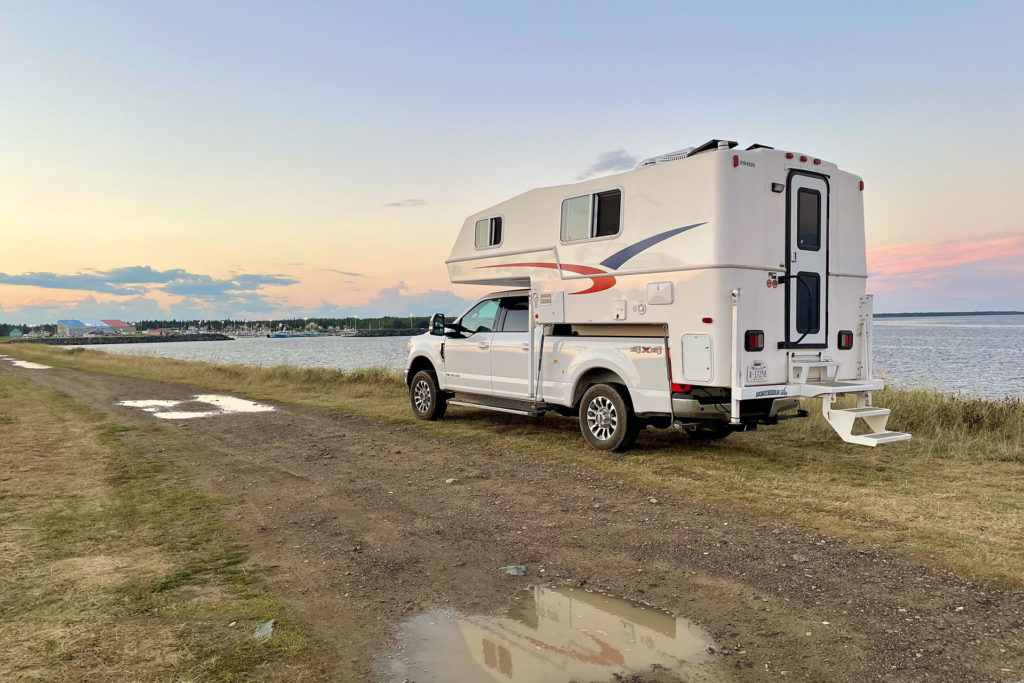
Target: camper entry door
(807, 262)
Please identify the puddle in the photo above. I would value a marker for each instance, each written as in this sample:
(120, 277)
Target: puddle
(550, 635)
(28, 364)
(209, 405)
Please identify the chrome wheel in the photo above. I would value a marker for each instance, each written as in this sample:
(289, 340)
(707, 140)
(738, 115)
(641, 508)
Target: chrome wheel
(602, 418)
(421, 396)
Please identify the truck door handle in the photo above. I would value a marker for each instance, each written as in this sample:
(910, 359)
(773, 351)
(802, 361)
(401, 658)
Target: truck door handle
(483, 345)
(526, 346)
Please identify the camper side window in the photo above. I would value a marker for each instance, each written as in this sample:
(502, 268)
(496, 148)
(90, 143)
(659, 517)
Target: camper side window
(488, 232)
(592, 215)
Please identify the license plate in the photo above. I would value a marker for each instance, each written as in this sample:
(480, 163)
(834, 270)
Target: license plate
(757, 373)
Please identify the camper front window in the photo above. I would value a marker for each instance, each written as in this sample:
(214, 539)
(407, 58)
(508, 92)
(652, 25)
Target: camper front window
(592, 215)
(488, 232)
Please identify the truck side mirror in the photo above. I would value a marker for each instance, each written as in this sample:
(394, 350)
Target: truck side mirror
(437, 324)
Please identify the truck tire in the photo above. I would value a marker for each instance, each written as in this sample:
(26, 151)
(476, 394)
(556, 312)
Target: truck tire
(425, 398)
(607, 419)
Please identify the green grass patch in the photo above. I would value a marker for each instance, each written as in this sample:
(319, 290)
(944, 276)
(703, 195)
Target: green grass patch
(113, 571)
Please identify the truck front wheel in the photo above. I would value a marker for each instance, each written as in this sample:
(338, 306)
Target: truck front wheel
(426, 399)
(607, 420)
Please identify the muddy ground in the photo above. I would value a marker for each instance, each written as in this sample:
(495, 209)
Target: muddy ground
(352, 523)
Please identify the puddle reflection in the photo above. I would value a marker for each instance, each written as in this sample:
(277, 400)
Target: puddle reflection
(551, 635)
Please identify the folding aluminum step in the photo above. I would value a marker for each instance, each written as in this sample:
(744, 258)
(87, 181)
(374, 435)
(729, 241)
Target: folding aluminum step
(805, 368)
(843, 420)
(811, 389)
(882, 437)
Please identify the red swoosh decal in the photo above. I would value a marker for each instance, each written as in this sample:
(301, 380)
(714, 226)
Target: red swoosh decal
(608, 656)
(601, 282)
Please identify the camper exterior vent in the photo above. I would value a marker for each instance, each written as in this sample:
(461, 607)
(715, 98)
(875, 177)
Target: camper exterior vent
(688, 152)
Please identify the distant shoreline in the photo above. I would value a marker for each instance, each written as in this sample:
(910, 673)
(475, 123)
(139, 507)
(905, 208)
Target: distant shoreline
(946, 314)
(96, 341)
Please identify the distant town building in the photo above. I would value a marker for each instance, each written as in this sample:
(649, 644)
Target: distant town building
(90, 327)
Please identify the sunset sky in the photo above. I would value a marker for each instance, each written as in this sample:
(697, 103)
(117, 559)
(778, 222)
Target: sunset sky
(258, 160)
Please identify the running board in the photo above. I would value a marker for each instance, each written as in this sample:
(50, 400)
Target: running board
(843, 420)
(502, 406)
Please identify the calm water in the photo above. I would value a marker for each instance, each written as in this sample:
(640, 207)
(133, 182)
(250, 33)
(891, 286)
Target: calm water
(980, 355)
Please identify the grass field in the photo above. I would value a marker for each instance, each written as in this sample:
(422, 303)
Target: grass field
(951, 497)
(110, 569)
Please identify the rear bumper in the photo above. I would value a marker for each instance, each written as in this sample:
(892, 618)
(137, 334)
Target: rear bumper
(810, 389)
(765, 401)
(692, 409)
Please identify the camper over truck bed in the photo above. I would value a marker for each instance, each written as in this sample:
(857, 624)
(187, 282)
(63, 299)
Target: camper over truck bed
(740, 273)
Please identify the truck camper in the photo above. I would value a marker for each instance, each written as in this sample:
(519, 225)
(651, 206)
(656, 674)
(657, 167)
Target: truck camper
(706, 290)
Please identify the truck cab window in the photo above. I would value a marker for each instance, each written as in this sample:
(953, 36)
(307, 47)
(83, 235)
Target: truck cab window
(481, 317)
(517, 314)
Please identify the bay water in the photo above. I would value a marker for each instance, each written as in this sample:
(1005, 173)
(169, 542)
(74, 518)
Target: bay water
(974, 355)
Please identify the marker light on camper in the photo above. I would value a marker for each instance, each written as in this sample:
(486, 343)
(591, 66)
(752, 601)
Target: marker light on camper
(862, 186)
(706, 320)
(735, 160)
(845, 339)
(789, 155)
(803, 157)
(817, 162)
(753, 340)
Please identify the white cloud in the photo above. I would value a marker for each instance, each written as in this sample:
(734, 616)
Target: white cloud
(610, 162)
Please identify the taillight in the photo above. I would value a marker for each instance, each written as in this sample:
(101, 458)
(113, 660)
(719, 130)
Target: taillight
(735, 160)
(845, 339)
(753, 340)
(683, 388)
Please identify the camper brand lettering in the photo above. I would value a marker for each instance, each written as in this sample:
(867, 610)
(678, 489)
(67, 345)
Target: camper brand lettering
(770, 392)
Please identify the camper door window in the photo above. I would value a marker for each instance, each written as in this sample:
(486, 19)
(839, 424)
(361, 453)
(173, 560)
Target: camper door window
(488, 232)
(592, 216)
(808, 219)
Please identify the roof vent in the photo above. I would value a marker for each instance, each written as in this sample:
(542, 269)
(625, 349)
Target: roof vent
(688, 152)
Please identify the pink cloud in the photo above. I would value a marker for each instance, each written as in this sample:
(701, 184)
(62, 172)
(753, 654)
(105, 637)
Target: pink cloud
(924, 259)
(985, 273)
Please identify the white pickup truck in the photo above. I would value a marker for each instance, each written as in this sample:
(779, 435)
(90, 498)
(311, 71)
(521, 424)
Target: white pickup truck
(615, 384)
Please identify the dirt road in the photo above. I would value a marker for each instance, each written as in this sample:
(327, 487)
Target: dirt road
(355, 525)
